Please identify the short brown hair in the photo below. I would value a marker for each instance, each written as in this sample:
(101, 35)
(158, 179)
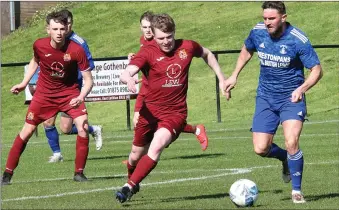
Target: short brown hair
(58, 17)
(278, 5)
(67, 13)
(146, 16)
(163, 22)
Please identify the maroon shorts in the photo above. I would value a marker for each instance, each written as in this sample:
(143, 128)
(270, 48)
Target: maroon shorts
(43, 108)
(147, 125)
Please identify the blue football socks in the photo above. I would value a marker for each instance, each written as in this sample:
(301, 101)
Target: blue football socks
(276, 152)
(53, 138)
(296, 166)
(74, 129)
(90, 129)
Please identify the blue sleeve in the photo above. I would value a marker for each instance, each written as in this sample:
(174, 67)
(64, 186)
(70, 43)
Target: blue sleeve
(89, 55)
(34, 78)
(307, 54)
(249, 42)
(77, 39)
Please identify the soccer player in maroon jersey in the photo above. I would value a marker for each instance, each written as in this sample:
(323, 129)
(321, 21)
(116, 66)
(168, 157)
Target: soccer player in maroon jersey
(147, 39)
(57, 91)
(164, 112)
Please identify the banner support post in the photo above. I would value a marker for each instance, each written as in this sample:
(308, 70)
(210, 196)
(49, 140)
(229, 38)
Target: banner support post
(128, 110)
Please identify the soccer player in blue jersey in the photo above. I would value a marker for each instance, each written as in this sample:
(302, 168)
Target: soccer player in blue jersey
(283, 51)
(66, 123)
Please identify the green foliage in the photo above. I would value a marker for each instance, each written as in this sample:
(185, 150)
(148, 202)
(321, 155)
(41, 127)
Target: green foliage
(40, 15)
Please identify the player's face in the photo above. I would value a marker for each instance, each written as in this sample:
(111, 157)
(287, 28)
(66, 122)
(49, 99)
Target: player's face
(57, 31)
(145, 27)
(273, 21)
(164, 40)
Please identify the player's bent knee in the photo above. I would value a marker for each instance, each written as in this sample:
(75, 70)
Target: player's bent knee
(135, 156)
(261, 151)
(292, 146)
(65, 129)
(48, 123)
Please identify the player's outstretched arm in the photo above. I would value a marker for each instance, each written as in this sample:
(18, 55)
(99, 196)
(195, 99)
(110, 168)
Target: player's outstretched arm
(243, 59)
(32, 67)
(315, 75)
(126, 77)
(212, 62)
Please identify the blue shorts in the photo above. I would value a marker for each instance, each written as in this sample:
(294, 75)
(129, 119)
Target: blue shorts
(34, 78)
(270, 112)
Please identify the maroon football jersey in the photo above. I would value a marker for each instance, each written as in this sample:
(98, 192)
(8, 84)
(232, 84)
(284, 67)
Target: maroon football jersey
(167, 75)
(145, 42)
(58, 67)
(144, 84)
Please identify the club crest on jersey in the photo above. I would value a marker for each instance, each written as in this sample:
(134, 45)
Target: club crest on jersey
(283, 49)
(182, 54)
(30, 116)
(67, 57)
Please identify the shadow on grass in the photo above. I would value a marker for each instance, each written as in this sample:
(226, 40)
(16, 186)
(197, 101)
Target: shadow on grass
(107, 177)
(198, 197)
(142, 200)
(102, 158)
(324, 196)
(271, 191)
(317, 197)
(198, 156)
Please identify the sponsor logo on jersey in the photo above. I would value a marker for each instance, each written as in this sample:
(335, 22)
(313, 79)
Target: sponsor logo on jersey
(173, 72)
(262, 45)
(57, 70)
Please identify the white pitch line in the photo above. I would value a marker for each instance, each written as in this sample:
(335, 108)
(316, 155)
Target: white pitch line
(212, 130)
(125, 175)
(41, 143)
(240, 171)
(234, 171)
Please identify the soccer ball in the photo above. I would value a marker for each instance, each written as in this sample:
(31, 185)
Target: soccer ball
(243, 193)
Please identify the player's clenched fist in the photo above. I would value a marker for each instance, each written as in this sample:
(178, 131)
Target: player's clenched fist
(17, 88)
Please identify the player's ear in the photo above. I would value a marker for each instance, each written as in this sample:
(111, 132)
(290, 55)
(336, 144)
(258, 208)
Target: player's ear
(283, 17)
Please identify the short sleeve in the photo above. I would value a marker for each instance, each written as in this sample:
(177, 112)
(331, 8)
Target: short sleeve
(88, 55)
(249, 42)
(83, 63)
(35, 52)
(140, 59)
(197, 49)
(307, 54)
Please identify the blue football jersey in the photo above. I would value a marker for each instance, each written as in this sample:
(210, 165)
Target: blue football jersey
(282, 60)
(77, 39)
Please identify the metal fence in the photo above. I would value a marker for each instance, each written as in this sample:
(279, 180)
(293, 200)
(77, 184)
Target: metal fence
(217, 92)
